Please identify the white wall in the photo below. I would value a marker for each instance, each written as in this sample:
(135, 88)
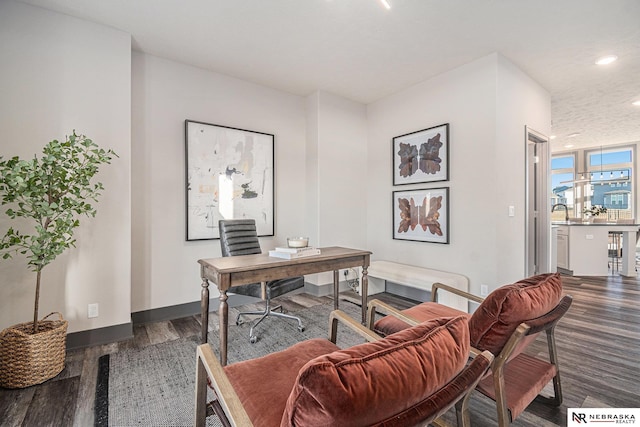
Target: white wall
(487, 104)
(520, 101)
(58, 74)
(312, 175)
(342, 163)
(333, 177)
(165, 93)
(336, 162)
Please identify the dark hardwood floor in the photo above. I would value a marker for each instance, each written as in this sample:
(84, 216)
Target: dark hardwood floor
(598, 343)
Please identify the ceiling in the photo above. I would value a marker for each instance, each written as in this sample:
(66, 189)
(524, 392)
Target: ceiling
(360, 50)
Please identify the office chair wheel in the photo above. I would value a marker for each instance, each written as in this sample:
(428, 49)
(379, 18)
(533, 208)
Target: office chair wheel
(301, 328)
(239, 322)
(253, 339)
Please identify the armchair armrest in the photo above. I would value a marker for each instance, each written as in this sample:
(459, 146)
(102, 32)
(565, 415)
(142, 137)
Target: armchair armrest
(340, 316)
(436, 286)
(467, 380)
(208, 365)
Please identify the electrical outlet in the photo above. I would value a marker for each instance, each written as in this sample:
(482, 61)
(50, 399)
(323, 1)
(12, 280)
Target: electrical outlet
(92, 310)
(484, 290)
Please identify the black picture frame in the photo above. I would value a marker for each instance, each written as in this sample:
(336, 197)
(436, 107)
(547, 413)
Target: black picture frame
(421, 156)
(421, 215)
(229, 175)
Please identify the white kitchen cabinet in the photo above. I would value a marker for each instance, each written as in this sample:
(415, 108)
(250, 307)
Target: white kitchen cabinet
(562, 249)
(582, 248)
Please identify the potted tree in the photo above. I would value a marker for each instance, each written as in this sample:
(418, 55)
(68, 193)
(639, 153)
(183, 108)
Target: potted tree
(45, 197)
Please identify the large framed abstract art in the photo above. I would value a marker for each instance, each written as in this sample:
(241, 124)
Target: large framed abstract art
(421, 215)
(421, 156)
(229, 174)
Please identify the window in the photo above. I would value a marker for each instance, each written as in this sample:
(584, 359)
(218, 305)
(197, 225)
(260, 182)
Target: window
(562, 185)
(585, 178)
(609, 157)
(610, 180)
(564, 162)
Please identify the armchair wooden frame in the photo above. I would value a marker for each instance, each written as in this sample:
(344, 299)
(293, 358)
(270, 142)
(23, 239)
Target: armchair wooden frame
(232, 412)
(510, 351)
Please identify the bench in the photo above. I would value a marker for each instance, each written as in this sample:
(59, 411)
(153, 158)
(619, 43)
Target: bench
(422, 278)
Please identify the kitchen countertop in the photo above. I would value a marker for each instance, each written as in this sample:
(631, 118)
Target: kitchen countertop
(583, 223)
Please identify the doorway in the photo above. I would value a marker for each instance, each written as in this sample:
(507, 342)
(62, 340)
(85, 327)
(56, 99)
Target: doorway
(537, 217)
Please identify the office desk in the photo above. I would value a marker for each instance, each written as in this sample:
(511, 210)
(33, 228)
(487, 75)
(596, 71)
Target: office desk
(227, 272)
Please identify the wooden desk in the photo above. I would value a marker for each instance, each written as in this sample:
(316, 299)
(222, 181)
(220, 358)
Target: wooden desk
(227, 272)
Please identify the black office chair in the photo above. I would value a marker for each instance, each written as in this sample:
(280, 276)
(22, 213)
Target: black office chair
(239, 237)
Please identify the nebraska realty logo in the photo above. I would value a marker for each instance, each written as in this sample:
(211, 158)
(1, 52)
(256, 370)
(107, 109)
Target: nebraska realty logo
(601, 416)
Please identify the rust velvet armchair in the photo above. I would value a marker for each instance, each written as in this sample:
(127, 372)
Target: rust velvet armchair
(405, 379)
(505, 323)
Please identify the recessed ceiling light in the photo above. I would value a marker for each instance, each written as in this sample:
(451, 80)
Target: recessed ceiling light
(568, 145)
(605, 60)
(552, 137)
(386, 4)
(636, 103)
(573, 135)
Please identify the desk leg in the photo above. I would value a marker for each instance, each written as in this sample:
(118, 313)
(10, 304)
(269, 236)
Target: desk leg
(223, 313)
(204, 311)
(364, 290)
(336, 288)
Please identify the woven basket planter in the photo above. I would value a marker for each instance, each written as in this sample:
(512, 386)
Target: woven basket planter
(28, 359)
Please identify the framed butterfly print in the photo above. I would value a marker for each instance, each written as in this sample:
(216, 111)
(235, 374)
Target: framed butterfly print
(421, 156)
(421, 215)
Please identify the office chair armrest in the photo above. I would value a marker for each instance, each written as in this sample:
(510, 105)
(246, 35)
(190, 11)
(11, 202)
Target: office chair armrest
(227, 397)
(377, 306)
(436, 286)
(340, 316)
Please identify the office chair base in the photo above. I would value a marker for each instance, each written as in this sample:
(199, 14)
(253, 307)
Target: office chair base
(263, 315)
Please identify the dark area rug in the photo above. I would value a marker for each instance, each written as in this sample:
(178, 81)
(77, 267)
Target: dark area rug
(154, 386)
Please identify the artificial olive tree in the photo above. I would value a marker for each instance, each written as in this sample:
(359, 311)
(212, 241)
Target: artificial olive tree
(45, 196)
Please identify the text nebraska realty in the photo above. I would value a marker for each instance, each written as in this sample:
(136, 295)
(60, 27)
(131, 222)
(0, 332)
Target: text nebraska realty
(611, 418)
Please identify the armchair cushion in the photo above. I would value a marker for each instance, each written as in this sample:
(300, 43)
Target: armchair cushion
(505, 308)
(263, 384)
(422, 312)
(368, 383)
(525, 377)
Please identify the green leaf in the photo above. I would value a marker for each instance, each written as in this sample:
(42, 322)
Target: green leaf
(50, 190)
